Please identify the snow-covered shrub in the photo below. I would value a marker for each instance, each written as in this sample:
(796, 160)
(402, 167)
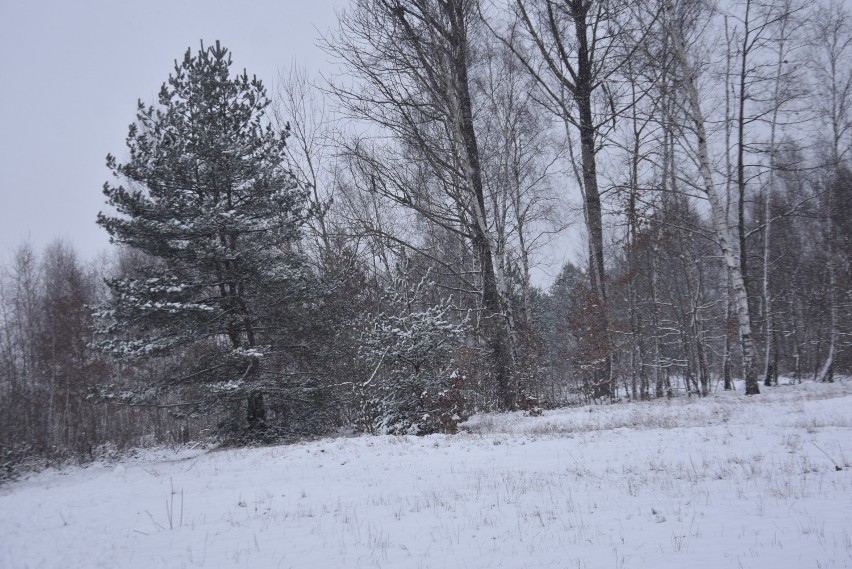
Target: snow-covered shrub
(415, 387)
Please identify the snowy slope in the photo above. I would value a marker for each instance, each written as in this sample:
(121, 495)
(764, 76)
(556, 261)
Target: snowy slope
(727, 481)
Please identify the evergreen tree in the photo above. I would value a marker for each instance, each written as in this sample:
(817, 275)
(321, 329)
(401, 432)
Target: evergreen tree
(210, 201)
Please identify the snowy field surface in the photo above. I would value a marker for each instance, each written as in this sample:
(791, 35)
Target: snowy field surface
(726, 481)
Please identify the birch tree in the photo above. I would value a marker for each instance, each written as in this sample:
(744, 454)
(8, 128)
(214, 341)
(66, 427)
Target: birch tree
(679, 22)
(412, 62)
(570, 48)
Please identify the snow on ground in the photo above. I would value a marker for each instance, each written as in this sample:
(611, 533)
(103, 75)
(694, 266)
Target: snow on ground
(726, 481)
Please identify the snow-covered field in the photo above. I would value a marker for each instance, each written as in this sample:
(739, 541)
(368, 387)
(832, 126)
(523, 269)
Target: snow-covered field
(727, 481)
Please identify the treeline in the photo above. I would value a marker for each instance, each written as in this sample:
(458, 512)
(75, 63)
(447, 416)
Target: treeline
(359, 254)
(49, 366)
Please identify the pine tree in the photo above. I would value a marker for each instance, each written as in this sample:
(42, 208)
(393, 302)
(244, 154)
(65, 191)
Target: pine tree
(210, 201)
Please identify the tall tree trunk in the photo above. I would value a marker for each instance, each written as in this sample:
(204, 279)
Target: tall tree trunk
(729, 176)
(767, 296)
(745, 50)
(578, 74)
(655, 315)
(726, 353)
(495, 294)
(592, 199)
(826, 372)
(769, 350)
(637, 355)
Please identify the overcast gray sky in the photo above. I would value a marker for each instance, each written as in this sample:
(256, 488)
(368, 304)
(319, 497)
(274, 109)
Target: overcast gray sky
(72, 71)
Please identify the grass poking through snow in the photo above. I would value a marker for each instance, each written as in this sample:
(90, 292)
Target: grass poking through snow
(725, 481)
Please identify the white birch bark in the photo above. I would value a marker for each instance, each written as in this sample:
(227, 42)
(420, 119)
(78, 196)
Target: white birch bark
(721, 224)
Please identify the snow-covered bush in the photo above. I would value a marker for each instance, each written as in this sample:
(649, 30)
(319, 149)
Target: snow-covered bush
(415, 387)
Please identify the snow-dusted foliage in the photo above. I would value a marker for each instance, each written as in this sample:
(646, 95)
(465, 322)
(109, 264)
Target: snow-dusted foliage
(210, 201)
(411, 346)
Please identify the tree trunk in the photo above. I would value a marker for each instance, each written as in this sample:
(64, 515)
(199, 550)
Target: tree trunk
(499, 324)
(255, 411)
(741, 174)
(592, 206)
(826, 372)
(726, 354)
(721, 224)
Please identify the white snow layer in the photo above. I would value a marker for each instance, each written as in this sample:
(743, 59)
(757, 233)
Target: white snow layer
(726, 481)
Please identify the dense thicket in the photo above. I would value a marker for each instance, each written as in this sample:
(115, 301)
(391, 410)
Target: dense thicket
(376, 270)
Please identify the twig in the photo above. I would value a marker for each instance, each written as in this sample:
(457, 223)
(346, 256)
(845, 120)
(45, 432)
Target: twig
(836, 466)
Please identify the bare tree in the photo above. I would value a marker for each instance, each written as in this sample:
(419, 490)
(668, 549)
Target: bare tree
(412, 60)
(785, 74)
(680, 21)
(569, 47)
(520, 155)
(302, 112)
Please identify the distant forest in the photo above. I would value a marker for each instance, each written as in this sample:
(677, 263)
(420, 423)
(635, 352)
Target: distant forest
(356, 253)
